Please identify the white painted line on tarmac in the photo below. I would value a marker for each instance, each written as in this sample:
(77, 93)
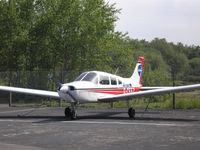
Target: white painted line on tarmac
(15, 120)
(105, 122)
(12, 111)
(127, 123)
(6, 146)
(21, 110)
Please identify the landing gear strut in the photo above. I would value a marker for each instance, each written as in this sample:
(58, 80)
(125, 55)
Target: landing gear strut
(70, 113)
(131, 113)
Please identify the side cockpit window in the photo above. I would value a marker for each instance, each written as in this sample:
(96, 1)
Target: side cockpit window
(119, 82)
(104, 80)
(113, 81)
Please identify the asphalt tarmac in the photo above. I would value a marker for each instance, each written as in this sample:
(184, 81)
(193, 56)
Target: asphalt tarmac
(99, 129)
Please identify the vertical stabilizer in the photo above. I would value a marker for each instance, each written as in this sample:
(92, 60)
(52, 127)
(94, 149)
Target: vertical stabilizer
(137, 74)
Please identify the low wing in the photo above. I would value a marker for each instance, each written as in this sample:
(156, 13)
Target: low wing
(156, 91)
(30, 91)
(144, 88)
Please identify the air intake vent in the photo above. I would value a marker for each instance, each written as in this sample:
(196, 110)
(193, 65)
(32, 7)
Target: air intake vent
(72, 88)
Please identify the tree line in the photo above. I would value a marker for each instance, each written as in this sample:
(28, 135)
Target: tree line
(62, 36)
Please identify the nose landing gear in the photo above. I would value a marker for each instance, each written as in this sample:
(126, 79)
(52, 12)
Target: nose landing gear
(70, 113)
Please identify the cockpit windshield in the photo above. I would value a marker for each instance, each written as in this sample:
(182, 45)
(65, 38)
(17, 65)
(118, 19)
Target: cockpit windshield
(80, 77)
(91, 76)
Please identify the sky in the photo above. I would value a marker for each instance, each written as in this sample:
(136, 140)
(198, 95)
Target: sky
(174, 20)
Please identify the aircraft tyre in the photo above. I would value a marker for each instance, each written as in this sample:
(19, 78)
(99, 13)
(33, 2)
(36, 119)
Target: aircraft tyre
(67, 112)
(70, 114)
(73, 115)
(131, 113)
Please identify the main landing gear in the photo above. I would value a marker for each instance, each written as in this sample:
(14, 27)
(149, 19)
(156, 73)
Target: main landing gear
(131, 113)
(70, 112)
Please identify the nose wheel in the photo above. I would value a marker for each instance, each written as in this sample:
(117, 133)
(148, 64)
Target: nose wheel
(70, 113)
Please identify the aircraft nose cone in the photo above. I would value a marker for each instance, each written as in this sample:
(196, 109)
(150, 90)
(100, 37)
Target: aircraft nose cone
(64, 89)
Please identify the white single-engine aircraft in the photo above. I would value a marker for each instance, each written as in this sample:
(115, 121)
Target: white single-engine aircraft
(96, 86)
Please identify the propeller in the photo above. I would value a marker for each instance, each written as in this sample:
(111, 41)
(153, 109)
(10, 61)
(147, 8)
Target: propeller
(58, 84)
(63, 88)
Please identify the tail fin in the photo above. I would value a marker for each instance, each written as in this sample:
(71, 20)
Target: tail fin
(137, 74)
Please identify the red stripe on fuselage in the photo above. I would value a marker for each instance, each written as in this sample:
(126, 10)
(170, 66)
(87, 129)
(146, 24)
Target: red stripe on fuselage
(116, 91)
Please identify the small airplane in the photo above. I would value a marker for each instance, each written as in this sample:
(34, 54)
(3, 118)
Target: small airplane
(96, 86)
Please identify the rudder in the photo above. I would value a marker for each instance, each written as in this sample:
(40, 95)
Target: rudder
(137, 74)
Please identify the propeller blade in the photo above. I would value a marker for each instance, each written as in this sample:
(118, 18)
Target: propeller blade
(55, 81)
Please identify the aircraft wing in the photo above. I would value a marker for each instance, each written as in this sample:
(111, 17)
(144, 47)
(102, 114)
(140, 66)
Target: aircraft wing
(156, 91)
(30, 91)
(154, 87)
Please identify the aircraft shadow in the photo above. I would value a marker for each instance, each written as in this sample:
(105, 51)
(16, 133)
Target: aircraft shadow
(107, 117)
(141, 112)
(100, 116)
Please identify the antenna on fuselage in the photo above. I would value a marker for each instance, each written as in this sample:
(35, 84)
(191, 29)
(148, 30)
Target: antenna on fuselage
(116, 70)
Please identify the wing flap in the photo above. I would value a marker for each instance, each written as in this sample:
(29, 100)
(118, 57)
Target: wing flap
(149, 93)
(30, 91)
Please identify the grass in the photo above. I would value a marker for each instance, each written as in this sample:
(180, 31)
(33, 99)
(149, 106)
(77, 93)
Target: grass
(188, 101)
